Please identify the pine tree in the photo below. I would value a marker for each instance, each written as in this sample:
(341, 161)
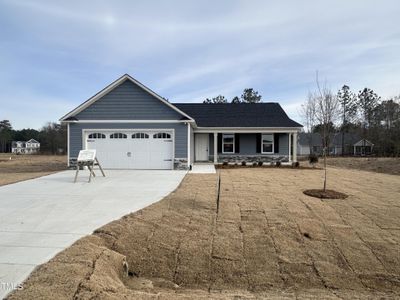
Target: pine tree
(348, 109)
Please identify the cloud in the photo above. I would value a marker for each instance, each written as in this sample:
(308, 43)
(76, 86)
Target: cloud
(187, 51)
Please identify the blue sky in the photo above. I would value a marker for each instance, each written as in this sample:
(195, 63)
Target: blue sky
(56, 54)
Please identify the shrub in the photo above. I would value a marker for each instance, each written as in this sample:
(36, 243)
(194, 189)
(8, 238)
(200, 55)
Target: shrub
(313, 158)
(255, 164)
(225, 163)
(278, 164)
(260, 163)
(243, 163)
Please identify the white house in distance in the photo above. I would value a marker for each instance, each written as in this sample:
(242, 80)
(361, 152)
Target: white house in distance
(30, 147)
(353, 144)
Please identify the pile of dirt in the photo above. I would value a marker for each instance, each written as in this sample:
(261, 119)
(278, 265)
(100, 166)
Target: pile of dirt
(325, 194)
(267, 240)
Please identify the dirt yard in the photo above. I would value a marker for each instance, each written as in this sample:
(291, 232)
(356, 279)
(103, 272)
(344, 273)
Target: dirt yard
(266, 239)
(386, 165)
(23, 167)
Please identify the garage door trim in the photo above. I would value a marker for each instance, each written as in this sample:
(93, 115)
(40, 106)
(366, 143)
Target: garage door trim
(87, 131)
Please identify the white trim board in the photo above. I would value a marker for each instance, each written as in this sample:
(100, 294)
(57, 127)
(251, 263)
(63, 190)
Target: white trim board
(68, 143)
(188, 146)
(130, 121)
(246, 130)
(112, 86)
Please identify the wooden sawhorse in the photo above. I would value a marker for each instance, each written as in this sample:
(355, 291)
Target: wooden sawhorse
(90, 165)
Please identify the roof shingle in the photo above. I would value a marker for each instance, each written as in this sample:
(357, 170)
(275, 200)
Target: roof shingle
(268, 114)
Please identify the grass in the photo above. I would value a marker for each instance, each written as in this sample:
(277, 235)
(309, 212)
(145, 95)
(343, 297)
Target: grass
(267, 240)
(14, 168)
(387, 165)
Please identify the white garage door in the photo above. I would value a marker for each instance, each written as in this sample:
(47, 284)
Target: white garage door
(132, 149)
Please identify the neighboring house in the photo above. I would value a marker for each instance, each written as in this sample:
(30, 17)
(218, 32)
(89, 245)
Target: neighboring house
(353, 145)
(363, 147)
(30, 147)
(131, 127)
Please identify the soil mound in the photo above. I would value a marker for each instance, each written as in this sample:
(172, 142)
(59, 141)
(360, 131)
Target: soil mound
(327, 194)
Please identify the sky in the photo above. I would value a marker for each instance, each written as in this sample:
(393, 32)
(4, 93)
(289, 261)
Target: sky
(56, 54)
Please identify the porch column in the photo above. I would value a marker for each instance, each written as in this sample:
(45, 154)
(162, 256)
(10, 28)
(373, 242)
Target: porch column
(290, 145)
(215, 147)
(295, 146)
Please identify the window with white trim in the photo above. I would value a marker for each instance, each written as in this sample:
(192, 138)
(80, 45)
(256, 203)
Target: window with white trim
(97, 135)
(118, 135)
(162, 135)
(228, 143)
(267, 143)
(140, 135)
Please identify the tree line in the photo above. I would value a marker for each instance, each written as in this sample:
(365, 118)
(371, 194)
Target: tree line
(364, 113)
(52, 137)
(248, 96)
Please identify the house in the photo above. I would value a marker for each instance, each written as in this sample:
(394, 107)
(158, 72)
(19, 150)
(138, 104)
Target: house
(131, 127)
(353, 144)
(363, 147)
(30, 147)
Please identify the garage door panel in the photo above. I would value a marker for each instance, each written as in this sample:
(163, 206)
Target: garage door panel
(161, 153)
(137, 151)
(140, 149)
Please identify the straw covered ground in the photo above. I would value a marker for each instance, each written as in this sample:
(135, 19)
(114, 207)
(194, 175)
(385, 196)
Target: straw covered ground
(265, 239)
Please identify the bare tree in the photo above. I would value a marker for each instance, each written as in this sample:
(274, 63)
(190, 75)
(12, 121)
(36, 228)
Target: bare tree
(307, 113)
(327, 112)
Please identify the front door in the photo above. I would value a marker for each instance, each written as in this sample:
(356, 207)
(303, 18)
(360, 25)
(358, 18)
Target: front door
(201, 146)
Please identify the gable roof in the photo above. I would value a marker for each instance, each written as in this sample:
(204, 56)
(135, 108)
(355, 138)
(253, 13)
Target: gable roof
(268, 114)
(33, 141)
(70, 116)
(363, 142)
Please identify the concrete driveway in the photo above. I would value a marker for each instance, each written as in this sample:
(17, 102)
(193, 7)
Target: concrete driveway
(41, 217)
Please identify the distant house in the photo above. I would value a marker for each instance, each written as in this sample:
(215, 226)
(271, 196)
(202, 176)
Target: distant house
(30, 147)
(363, 147)
(353, 144)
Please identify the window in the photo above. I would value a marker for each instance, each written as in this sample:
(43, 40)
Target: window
(118, 135)
(267, 143)
(228, 143)
(162, 135)
(140, 135)
(97, 135)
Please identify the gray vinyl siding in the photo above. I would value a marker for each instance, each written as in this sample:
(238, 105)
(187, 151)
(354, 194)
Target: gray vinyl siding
(248, 144)
(284, 144)
(181, 130)
(128, 102)
(211, 144)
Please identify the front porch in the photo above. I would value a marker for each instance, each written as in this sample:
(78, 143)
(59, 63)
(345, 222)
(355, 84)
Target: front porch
(239, 146)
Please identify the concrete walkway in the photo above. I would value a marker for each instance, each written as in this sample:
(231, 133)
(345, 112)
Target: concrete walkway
(203, 168)
(41, 217)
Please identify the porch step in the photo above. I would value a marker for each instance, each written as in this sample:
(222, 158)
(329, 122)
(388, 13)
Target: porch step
(203, 169)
